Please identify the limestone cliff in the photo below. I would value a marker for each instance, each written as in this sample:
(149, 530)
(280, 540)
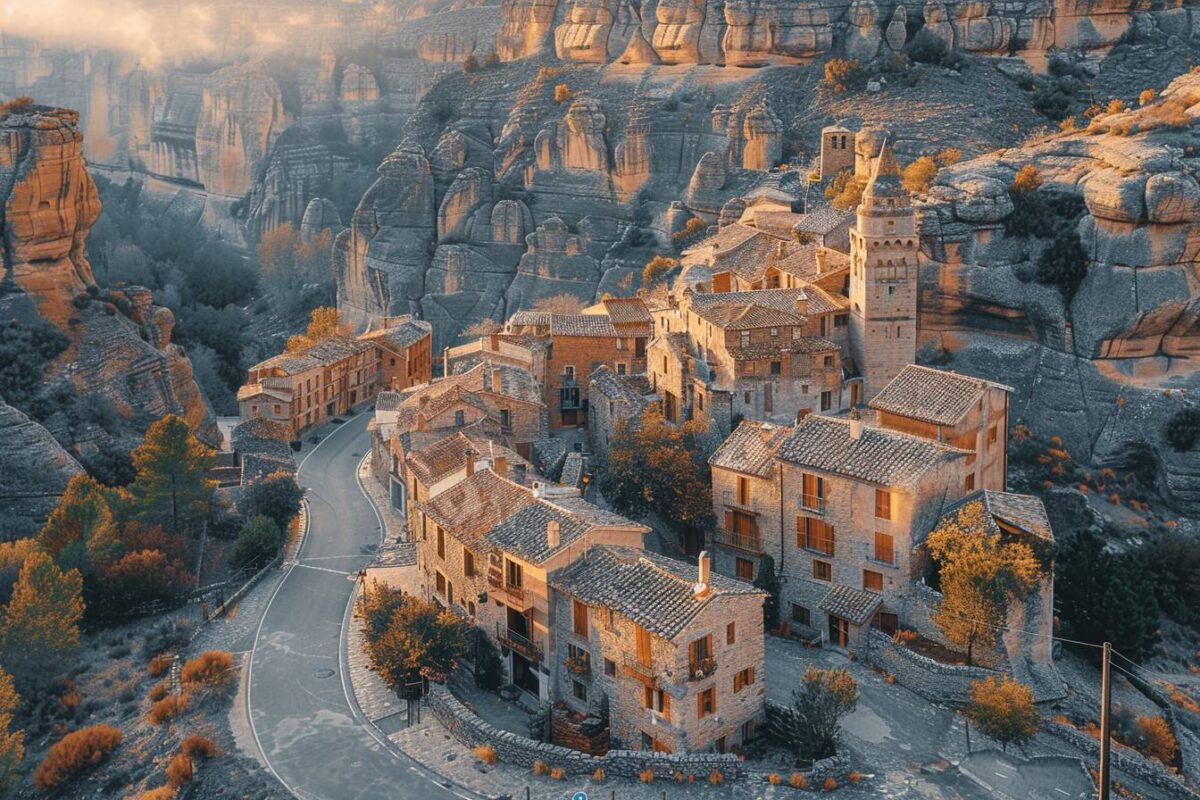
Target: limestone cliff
(33, 469)
(120, 343)
(1106, 371)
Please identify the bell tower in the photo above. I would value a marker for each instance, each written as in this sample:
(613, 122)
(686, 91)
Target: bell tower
(883, 277)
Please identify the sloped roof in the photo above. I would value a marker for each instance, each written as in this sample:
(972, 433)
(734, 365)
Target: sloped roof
(823, 220)
(931, 395)
(751, 448)
(524, 533)
(402, 335)
(475, 505)
(449, 454)
(877, 456)
(855, 605)
(628, 388)
(654, 591)
(1024, 512)
(582, 325)
(623, 310)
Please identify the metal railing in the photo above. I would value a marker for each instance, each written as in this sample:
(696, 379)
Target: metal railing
(632, 662)
(518, 642)
(701, 668)
(750, 542)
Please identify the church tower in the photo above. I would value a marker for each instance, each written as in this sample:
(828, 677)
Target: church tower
(883, 278)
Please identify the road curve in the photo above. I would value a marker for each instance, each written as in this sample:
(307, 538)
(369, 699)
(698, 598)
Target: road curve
(312, 736)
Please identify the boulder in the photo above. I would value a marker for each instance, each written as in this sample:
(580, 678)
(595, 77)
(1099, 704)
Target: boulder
(320, 215)
(1172, 197)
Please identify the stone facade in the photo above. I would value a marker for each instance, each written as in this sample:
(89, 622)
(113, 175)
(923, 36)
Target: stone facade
(933, 680)
(403, 346)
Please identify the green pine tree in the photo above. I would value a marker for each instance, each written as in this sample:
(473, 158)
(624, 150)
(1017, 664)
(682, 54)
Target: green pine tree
(172, 487)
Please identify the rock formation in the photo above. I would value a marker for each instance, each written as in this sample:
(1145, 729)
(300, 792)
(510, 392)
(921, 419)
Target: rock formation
(241, 116)
(32, 463)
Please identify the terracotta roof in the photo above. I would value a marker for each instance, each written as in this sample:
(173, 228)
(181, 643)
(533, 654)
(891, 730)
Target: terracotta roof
(804, 345)
(626, 309)
(258, 434)
(751, 448)
(823, 302)
(736, 316)
(654, 591)
(877, 456)
(776, 223)
(538, 319)
(855, 605)
(803, 262)
(475, 505)
(779, 299)
(448, 455)
(524, 533)
(750, 259)
(727, 238)
(289, 363)
(931, 395)
(582, 325)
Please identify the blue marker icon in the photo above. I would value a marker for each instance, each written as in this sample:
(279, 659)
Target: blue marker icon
(579, 796)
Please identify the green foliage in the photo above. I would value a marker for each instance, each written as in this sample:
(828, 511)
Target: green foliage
(276, 496)
(39, 632)
(660, 467)
(1003, 709)
(415, 639)
(1063, 264)
(26, 349)
(1106, 596)
(172, 487)
(257, 543)
(1041, 214)
(768, 581)
(809, 727)
(1174, 561)
(1183, 429)
(489, 667)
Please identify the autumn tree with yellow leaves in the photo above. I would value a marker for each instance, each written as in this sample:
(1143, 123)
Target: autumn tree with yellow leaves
(1003, 709)
(323, 323)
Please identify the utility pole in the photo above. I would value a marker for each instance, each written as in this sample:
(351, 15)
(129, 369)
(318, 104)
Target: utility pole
(1105, 720)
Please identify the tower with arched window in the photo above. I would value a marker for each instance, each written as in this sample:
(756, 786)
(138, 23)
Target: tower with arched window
(883, 277)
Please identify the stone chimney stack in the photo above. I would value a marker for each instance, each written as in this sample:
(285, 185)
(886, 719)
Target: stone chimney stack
(553, 534)
(704, 567)
(856, 426)
(470, 462)
(780, 249)
(820, 260)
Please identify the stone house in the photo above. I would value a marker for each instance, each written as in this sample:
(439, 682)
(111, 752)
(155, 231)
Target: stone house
(614, 400)
(676, 651)
(306, 388)
(526, 352)
(403, 348)
(969, 413)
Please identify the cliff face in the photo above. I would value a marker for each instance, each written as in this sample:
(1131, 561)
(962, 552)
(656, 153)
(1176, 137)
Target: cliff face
(32, 463)
(120, 343)
(1108, 370)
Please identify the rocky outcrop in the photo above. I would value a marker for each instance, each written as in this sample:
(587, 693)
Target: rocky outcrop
(555, 262)
(241, 116)
(320, 215)
(34, 468)
(524, 28)
(299, 169)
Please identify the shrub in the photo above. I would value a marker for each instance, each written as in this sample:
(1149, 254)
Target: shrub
(1183, 429)
(1147, 96)
(180, 770)
(1171, 113)
(75, 753)
(470, 63)
(167, 792)
(257, 543)
(657, 268)
(948, 156)
(598, 776)
(925, 48)
(845, 190)
(1063, 264)
(167, 709)
(678, 776)
(557, 774)
(1027, 179)
(276, 496)
(798, 781)
(693, 231)
(485, 753)
(646, 776)
(917, 176)
(841, 74)
(1157, 739)
(159, 665)
(716, 777)
(197, 746)
(855, 776)
(210, 670)
(774, 779)
(830, 783)
(16, 105)
(541, 768)
(562, 93)
(26, 349)
(159, 691)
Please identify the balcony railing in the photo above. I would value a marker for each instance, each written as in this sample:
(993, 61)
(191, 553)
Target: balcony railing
(579, 667)
(730, 499)
(632, 663)
(518, 643)
(750, 542)
(567, 380)
(701, 668)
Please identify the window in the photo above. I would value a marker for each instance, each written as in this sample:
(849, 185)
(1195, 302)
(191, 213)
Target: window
(441, 542)
(505, 418)
(569, 371)
(969, 483)
(828, 361)
(468, 563)
(744, 338)
(743, 679)
(841, 320)
(610, 667)
(888, 623)
(579, 691)
(664, 368)
(885, 548)
(642, 637)
(774, 332)
(744, 569)
(826, 401)
(706, 702)
(460, 418)
(731, 633)
(746, 398)
(801, 614)
(822, 570)
(656, 700)
(883, 504)
(440, 583)
(776, 368)
(814, 534)
(579, 618)
(277, 408)
(812, 492)
(622, 367)
(872, 581)
(700, 653)
(512, 574)
(700, 401)
(743, 491)
(393, 361)
(992, 435)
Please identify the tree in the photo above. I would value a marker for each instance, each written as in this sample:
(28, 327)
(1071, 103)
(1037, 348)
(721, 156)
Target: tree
(80, 533)
(809, 726)
(276, 496)
(12, 743)
(172, 486)
(981, 574)
(841, 74)
(660, 467)
(1003, 709)
(1183, 429)
(144, 576)
(12, 558)
(257, 543)
(419, 640)
(1063, 264)
(40, 628)
(558, 304)
(846, 189)
(489, 667)
(470, 64)
(324, 322)
(768, 581)
(657, 268)
(917, 176)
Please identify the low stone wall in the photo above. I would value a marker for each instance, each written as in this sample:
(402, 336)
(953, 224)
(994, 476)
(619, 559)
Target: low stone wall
(513, 748)
(933, 680)
(1124, 759)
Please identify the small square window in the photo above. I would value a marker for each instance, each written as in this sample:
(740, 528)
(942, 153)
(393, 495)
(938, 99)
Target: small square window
(579, 691)
(610, 667)
(822, 570)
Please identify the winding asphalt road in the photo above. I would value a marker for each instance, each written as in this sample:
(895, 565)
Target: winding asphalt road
(310, 732)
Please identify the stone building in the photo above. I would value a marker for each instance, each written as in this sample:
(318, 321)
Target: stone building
(526, 352)
(306, 388)
(837, 151)
(614, 400)
(676, 650)
(403, 348)
(884, 249)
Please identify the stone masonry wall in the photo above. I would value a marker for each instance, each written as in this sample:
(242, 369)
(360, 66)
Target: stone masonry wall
(1124, 759)
(934, 681)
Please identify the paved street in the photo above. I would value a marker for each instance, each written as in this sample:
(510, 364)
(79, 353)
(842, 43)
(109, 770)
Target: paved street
(305, 725)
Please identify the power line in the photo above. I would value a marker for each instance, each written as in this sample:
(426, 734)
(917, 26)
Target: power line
(1035, 634)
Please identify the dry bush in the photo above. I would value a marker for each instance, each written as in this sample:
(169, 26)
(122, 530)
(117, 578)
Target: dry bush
(159, 665)
(716, 777)
(1116, 106)
(1171, 113)
(210, 670)
(197, 746)
(917, 176)
(180, 770)
(855, 776)
(1147, 96)
(158, 691)
(798, 781)
(678, 776)
(485, 753)
(15, 105)
(830, 783)
(774, 778)
(161, 793)
(841, 75)
(948, 156)
(167, 709)
(1027, 179)
(557, 774)
(541, 768)
(1158, 741)
(646, 776)
(562, 93)
(598, 776)
(76, 753)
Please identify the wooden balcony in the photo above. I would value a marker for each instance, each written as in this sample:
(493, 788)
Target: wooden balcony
(747, 542)
(518, 643)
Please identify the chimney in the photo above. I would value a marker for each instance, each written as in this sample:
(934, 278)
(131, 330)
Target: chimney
(445, 361)
(820, 260)
(494, 342)
(802, 413)
(703, 565)
(855, 424)
(553, 534)
(802, 304)
(780, 249)
(470, 454)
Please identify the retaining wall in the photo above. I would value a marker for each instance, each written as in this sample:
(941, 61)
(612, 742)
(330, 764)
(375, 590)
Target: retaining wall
(933, 680)
(1124, 759)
